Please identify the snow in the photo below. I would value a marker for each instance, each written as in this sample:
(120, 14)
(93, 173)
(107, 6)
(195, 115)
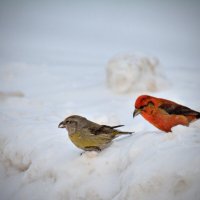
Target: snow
(53, 64)
(133, 72)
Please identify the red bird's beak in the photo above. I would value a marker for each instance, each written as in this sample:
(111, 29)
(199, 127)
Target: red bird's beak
(136, 112)
(61, 125)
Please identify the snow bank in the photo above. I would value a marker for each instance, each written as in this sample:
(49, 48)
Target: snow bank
(134, 72)
(146, 165)
(61, 49)
(38, 161)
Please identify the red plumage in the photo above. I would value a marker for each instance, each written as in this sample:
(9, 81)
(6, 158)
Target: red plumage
(163, 113)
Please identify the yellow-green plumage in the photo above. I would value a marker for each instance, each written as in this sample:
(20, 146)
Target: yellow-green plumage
(88, 135)
(84, 141)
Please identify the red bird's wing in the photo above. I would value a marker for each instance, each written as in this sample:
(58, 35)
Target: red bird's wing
(176, 109)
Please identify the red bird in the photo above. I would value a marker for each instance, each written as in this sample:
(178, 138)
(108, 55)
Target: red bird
(164, 114)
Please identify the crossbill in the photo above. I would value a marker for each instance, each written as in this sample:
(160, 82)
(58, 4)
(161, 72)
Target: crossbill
(163, 113)
(88, 135)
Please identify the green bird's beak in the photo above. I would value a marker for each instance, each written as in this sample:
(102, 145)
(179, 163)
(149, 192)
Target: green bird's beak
(61, 125)
(136, 112)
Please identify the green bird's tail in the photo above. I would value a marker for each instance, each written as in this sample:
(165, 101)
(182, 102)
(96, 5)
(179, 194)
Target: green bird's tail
(124, 133)
(121, 132)
(117, 132)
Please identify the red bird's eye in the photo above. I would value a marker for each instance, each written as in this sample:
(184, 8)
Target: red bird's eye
(142, 101)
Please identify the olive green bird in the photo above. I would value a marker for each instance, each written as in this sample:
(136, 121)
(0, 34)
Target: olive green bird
(88, 135)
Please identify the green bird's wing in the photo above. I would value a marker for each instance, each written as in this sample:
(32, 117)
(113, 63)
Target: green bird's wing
(102, 129)
(108, 130)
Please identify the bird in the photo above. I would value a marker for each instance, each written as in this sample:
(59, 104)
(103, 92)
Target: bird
(164, 114)
(88, 135)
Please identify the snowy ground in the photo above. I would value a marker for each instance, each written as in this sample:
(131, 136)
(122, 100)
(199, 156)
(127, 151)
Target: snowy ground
(48, 72)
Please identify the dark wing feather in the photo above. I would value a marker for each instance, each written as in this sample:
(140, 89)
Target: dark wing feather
(96, 130)
(112, 127)
(176, 109)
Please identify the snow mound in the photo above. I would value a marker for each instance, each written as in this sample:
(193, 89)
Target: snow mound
(133, 72)
(38, 161)
(147, 165)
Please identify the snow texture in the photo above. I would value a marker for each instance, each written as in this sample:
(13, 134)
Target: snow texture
(134, 72)
(39, 162)
(53, 62)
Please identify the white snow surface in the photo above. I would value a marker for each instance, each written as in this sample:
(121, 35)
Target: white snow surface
(53, 64)
(130, 73)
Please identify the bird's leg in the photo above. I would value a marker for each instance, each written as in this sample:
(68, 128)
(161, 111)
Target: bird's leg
(82, 153)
